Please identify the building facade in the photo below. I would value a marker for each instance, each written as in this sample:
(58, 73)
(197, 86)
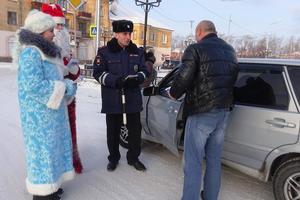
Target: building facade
(14, 12)
(158, 35)
(12, 17)
(158, 39)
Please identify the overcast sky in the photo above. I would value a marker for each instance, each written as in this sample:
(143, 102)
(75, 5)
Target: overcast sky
(254, 17)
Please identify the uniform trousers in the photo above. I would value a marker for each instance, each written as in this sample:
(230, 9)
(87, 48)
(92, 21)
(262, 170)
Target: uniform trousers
(113, 124)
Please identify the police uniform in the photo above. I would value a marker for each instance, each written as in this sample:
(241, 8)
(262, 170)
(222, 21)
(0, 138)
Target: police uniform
(111, 64)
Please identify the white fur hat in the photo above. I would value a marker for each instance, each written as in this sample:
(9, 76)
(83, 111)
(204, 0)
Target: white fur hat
(38, 22)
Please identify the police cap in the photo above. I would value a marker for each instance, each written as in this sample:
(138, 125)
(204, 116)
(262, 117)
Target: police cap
(122, 26)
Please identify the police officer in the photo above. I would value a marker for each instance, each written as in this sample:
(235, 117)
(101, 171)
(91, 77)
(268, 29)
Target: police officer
(120, 65)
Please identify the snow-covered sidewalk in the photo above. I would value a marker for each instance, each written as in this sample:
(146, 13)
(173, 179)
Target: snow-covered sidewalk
(162, 181)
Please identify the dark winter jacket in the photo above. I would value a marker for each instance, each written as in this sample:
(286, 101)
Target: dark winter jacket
(113, 62)
(207, 76)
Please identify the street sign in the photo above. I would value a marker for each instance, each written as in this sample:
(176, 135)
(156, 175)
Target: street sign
(93, 31)
(76, 3)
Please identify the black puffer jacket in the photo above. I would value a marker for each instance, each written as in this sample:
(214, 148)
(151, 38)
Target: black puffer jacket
(207, 76)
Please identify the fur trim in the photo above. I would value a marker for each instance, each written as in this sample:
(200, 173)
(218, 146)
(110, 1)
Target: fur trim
(57, 95)
(48, 48)
(59, 20)
(114, 47)
(38, 22)
(46, 189)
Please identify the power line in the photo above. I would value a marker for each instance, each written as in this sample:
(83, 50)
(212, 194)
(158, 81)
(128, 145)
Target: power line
(221, 17)
(209, 10)
(169, 18)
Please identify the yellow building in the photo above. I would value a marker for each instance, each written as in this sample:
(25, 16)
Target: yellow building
(158, 39)
(158, 36)
(14, 12)
(12, 16)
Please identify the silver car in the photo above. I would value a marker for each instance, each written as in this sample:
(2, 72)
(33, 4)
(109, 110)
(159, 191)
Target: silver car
(262, 137)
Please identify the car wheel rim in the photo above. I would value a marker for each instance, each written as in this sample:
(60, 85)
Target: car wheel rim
(292, 187)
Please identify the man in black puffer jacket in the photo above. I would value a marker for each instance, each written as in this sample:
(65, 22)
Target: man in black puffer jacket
(207, 76)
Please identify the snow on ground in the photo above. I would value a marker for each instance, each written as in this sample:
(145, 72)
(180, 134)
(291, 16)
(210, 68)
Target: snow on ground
(162, 181)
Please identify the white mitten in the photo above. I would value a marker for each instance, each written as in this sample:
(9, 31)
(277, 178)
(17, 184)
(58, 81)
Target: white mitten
(73, 66)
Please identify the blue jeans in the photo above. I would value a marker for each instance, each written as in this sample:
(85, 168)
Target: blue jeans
(204, 137)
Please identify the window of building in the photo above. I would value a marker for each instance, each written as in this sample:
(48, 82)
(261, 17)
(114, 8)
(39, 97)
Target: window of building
(82, 27)
(12, 18)
(142, 35)
(11, 43)
(152, 37)
(261, 88)
(164, 39)
(134, 35)
(63, 4)
(67, 23)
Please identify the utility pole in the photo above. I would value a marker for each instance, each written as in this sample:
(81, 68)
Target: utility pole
(229, 23)
(97, 18)
(192, 22)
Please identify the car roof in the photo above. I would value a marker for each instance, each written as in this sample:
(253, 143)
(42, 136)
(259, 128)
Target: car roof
(290, 62)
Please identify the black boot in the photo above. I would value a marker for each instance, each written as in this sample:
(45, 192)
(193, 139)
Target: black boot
(53, 196)
(111, 166)
(138, 165)
(59, 192)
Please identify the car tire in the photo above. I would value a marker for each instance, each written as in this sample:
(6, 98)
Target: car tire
(286, 178)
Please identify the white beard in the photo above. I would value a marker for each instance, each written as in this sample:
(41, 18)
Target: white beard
(62, 39)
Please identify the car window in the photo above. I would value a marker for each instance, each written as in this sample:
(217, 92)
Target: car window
(166, 83)
(294, 74)
(261, 88)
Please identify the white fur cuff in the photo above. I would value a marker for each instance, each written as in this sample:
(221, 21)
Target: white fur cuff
(49, 188)
(57, 95)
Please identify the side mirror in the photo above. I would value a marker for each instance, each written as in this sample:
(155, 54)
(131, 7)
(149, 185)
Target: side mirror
(150, 91)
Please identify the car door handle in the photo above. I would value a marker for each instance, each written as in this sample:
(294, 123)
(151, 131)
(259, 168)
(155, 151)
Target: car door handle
(280, 123)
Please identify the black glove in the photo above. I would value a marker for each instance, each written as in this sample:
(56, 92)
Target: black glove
(132, 81)
(120, 82)
(149, 56)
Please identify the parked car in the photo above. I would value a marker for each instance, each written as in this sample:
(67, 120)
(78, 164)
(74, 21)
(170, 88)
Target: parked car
(262, 137)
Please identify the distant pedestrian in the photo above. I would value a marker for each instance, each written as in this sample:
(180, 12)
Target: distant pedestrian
(121, 66)
(42, 93)
(207, 76)
(62, 40)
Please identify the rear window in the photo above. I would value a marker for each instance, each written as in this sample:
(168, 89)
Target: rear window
(261, 88)
(294, 74)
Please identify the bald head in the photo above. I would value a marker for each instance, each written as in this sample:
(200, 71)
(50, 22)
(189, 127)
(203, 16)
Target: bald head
(203, 28)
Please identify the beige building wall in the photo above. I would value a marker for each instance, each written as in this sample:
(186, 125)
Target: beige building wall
(159, 39)
(7, 31)
(86, 46)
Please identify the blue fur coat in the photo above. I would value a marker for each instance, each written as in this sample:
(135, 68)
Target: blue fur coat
(42, 93)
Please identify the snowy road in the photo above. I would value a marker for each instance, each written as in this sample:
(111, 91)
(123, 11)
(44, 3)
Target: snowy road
(162, 181)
